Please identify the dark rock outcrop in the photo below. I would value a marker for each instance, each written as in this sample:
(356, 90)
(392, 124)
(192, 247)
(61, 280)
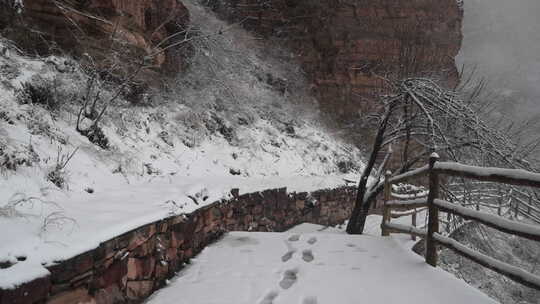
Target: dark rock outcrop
(89, 27)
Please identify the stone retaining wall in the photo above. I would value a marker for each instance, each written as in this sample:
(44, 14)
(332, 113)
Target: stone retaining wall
(128, 268)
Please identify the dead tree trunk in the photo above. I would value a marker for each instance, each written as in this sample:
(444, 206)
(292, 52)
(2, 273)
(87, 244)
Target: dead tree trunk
(362, 204)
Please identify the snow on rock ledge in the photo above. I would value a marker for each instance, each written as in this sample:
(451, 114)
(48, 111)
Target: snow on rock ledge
(132, 265)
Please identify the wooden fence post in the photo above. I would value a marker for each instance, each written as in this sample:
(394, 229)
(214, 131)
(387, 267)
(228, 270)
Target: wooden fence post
(448, 222)
(475, 199)
(413, 222)
(499, 200)
(433, 218)
(386, 210)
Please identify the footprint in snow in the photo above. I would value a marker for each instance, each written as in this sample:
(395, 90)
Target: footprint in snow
(309, 300)
(307, 255)
(289, 278)
(294, 238)
(287, 256)
(269, 297)
(336, 251)
(312, 240)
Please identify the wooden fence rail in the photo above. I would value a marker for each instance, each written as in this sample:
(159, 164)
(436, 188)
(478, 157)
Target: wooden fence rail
(531, 232)
(516, 177)
(434, 204)
(522, 203)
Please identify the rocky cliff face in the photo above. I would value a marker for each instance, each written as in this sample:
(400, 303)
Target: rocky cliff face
(349, 47)
(79, 27)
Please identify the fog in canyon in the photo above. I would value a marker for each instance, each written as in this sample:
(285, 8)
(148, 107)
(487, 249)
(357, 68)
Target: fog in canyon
(501, 39)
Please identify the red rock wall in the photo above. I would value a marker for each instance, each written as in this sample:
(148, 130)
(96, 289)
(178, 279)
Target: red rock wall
(130, 267)
(347, 47)
(80, 27)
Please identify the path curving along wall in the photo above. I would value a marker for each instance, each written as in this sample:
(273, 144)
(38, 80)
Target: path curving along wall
(128, 268)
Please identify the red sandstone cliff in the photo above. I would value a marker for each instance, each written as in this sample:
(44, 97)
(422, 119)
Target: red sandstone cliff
(87, 27)
(346, 47)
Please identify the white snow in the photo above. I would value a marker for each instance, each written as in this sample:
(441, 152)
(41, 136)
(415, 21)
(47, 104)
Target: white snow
(519, 174)
(21, 272)
(162, 160)
(88, 219)
(407, 228)
(419, 202)
(409, 174)
(533, 231)
(336, 268)
(409, 196)
(487, 260)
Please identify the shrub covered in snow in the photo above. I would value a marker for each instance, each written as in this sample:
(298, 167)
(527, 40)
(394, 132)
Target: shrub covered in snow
(39, 91)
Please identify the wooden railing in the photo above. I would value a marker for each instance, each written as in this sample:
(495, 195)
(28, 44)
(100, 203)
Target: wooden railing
(513, 200)
(435, 204)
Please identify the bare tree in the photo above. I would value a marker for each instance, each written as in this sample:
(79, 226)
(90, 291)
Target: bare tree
(422, 117)
(94, 106)
(117, 68)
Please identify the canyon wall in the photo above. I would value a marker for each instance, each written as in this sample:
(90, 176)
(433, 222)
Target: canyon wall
(349, 47)
(130, 267)
(110, 31)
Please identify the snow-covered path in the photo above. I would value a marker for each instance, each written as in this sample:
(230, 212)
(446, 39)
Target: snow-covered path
(312, 268)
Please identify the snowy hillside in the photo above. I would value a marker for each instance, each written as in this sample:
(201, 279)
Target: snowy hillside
(237, 118)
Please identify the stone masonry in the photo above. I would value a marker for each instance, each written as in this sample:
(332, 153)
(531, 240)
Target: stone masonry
(130, 267)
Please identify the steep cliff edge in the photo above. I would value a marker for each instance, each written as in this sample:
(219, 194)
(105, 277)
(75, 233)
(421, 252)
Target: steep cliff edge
(348, 47)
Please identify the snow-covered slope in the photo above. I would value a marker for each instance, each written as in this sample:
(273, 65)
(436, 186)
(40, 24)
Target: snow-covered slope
(237, 118)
